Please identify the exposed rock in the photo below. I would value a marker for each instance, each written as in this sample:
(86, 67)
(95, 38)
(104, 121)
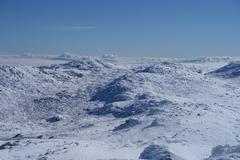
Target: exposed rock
(42, 158)
(7, 145)
(225, 152)
(39, 137)
(53, 119)
(17, 137)
(156, 152)
(113, 92)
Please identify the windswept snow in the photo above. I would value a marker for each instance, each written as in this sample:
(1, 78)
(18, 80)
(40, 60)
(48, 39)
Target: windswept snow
(116, 108)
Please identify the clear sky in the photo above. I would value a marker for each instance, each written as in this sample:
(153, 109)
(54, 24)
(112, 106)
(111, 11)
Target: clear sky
(170, 28)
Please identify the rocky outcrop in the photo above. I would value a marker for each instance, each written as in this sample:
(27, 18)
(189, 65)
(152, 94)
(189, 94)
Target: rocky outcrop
(157, 152)
(225, 152)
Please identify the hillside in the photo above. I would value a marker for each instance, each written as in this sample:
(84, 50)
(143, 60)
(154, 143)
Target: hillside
(120, 108)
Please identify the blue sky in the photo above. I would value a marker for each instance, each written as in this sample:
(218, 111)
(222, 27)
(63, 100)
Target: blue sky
(169, 28)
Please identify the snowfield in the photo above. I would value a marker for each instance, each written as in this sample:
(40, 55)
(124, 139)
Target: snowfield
(87, 108)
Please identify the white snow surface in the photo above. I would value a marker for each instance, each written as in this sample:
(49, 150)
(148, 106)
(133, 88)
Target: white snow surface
(176, 103)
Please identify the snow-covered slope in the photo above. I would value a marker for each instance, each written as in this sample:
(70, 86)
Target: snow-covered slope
(232, 70)
(117, 108)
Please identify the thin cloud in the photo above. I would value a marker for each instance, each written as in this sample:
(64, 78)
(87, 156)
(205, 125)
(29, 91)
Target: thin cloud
(81, 28)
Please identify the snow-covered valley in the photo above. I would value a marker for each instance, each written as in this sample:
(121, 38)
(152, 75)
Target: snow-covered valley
(121, 108)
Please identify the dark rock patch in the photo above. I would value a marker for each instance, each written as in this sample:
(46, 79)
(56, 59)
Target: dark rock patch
(39, 137)
(42, 158)
(53, 119)
(17, 137)
(156, 152)
(225, 152)
(112, 92)
(7, 145)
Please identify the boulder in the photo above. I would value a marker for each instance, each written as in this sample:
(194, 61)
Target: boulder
(53, 119)
(157, 152)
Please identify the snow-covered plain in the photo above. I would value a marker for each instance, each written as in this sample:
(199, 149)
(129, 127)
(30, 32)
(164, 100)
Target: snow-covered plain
(109, 107)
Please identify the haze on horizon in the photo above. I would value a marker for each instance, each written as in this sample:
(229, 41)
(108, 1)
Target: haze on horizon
(168, 28)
